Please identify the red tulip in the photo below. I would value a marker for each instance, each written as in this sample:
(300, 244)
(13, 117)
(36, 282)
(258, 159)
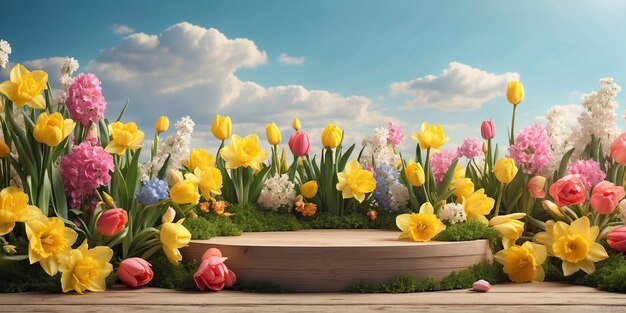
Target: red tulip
(488, 129)
(568, 190)
(299, 143)
(111, 221)
(135, 272)
(617, 239)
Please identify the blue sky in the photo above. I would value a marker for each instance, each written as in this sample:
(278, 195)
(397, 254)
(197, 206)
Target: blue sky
(349, 48)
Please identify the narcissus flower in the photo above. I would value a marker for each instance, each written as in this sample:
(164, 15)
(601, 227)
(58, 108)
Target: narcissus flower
(86, 269)
(414, 173)
(173, 237)
(431, 136)
(221, 127)
(185, 192)
(198, 158)
(422, 226)
(273, 134)
(505, 170)
(331, 136)
(162, 124)
(124, 136)
(48, 238)
(14, 208)
(509, 226)
(242, 152)
(515, 92)
(25, 87)
(51, 129)
(209, 180)
(477, 205)
(309, 189)
(523, 263)
(355, 182)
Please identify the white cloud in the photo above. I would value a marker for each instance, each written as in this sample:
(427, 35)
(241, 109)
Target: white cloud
(287, 59)
(52, 66)
(121, 29)
(460, 87)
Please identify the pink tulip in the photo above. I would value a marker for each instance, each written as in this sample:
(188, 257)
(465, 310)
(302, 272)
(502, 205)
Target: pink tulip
(618, 149)
(213, 273)
(568, 190)
(111, 221)
(488, 129)
(481, 286)
(299, 143)
(617, 239)
(606, 196)
(135, 272)
(536, 186)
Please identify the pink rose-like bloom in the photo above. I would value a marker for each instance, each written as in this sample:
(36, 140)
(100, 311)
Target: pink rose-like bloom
(536, 187)
(618, 149)
(488, 129)
(531, 149)
(299, 143)
(84, 169)
(588, 170)
(111, 221)
(617, 239)
(213, 273)
(135, 272)
(394, 134)
(470, 148)
(440, 163)
(568, 190)
(85, 101)
(606, 196)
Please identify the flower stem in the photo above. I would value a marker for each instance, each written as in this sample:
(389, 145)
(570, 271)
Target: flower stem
(512, 136)
(499, 200)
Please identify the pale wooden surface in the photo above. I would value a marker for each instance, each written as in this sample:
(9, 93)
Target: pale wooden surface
(333, 260)
(544, 297)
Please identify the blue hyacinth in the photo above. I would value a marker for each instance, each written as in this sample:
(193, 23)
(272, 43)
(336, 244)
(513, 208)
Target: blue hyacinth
(153, 191)
(385, 176)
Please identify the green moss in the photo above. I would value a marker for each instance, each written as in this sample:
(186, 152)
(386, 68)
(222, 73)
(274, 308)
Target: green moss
(471, 231)
(252, 219)
(169, 276)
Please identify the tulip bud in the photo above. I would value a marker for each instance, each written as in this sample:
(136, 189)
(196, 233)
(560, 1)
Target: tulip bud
(135, 272)
(488, 129)
(515, 92)
(485, 148)
(108, 200)
(505, 170)
(331, 136)
(536, 187)
(296, 124)
(299, 143)
(221, 127)
(4, 149)
(168, 216)
(273, 134)
(175, 176)
(309, 189)
(162, 124)
(111, 221)
(551, 208)
(414, 172)
(617, 239)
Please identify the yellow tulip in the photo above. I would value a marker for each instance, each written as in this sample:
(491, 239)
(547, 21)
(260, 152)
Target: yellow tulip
(48, 238)
(209, 180)
(174, 236)
(162, 124)
(477, 205)
(185, 192)
(86, 269)
(52, 129)
(331, 136)
(523, 263)
(463, 187)
(296, 124)
(309, 189)
(431, 136)
(14, 208)
(414, 173)
(355, 182)
(273, 134)
(242, 152)
(5, 151)
(221, 127)
(420, 227)
(25, 87)
(198, 158)
(168, 216)
(509, 226)
(505, 170)
(551, 208)
(124, 136)
(515, 92)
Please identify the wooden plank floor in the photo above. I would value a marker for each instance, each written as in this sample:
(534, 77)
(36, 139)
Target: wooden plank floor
(544, 297)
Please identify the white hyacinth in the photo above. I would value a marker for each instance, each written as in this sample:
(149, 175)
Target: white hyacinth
(376, 151)
(176, 146)
(557, 131)
(69, 66)
(5, 50)
(452, 213)
(278, 192)
(399, 196)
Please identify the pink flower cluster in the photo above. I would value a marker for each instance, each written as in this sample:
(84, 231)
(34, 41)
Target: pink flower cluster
(440, 163)
(85, 101)
(470, 148)
(588, 170)
(394, 134)
(531, 149)
(84, 169)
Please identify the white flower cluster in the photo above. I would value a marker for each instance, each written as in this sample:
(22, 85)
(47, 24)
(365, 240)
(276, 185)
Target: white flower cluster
(622, 211)
(176, 146)
(399, 196)
(597, 119)
(5, 50)
(452, 213)
(558, 137)
(278, 192)
(376, 151)
(65, 79)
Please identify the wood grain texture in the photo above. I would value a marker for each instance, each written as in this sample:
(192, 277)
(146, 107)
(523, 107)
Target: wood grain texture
(333, 260)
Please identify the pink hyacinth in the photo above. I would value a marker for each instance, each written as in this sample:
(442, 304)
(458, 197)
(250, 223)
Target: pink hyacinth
(440, 163)
(470, 148)
(394, 134)
(531, 149)
(588, 170)
(84, 169)
(85, 101)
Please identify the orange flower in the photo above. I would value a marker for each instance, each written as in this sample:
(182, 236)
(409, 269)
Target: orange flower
(309, 209)
(299, 204)
(203, 206)
(193, 214)
(219, 207)
(372, 214)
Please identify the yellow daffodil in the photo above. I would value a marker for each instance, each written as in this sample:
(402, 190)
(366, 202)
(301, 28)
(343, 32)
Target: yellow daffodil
(198, 158)
(51, 129)
(309, 189)
(14, 208)
(477, 205)
(422, 226)
(162, 124)
(296, 124)
(523, 263)
(25, 87)
(242, 152)
(273, 134)
(509, 226)
(574, 244)
(185, 192)
(124, 136)
(209, 180)
(463, 187)
(505, 170)
(221, 127)
(431, 136)
(414, 173)
(5, 151)
(173, 237)
(515, 92)
(48, 238)
(331, 136)
(355, 182)
(86, 269)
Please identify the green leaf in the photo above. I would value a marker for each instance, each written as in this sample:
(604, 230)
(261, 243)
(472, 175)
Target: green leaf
(104, 132)
(564, 162)
(163, 169)
(447, 179)
(257, 185)
(344, 159)
(119, 118)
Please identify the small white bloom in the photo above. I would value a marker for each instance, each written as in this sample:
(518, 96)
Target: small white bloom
(452, 213)
(278, 192)
(5, 50)
(176, 146)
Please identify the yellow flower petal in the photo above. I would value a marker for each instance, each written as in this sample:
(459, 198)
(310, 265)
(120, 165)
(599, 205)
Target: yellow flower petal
(596, 253)
(37, 102)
